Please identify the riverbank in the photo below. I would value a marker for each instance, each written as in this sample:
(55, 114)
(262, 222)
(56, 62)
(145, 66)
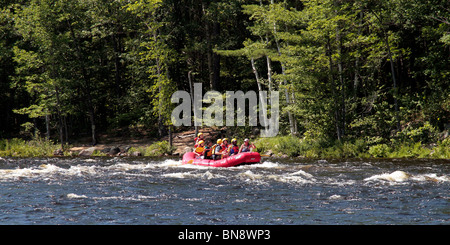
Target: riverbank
(291, 146)
(108, 146)
(280, 146)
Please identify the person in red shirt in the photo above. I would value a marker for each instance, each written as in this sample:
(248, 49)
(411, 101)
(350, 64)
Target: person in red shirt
(198, 138)
(233, 149)
(224, 146)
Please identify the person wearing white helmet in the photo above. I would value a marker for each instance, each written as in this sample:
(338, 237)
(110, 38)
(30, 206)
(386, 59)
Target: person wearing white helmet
(247, 147)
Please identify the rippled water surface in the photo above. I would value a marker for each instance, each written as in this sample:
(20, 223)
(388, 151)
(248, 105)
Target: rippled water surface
(163, 191)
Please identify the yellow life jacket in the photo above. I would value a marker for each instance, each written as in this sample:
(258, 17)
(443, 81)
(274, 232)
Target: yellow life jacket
(215, 147)
(199, 149)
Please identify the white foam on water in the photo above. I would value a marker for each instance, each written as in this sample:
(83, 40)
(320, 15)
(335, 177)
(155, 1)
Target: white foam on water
(179, 175)
(128, 167)
(266, 164)
(240, 200)
(401, 176)
(431, 177)
(193, 199)
(209, 175)
(249, 175)
(123, 198)
(44, 170)
(303, 173)
(290, 179)
(169, 163)
(184, 175)
(263, 173)
(339, 182)
(120, 198)
(90, 160)
(335, 197)
(299, 177)
(397, 176)
(75, 196)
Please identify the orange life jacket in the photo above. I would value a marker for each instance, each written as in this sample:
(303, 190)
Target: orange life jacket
(208, 151)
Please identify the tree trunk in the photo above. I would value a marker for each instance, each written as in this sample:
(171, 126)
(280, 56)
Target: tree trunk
(269, 72)
(292, 121)
(93, 132)
(341, 81)
(161, 126)
(209, 57)
(210, 69)
(87, 88)
(333, 90)
(388, 47)
(216, 59)
(61, 125)
(356, 78)
(47, 125)
(209, 53)
(117, 65)
(191, 88)
(66, 133)
(258, 81)
(170, 139)
(395, 83)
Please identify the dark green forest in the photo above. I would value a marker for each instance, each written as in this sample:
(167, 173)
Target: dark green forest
(371, 71)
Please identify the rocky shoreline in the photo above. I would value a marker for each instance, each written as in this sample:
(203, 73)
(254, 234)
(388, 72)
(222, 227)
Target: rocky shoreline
(121, 146)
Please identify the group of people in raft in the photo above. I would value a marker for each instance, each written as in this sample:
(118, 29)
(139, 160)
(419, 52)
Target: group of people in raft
(221, 149)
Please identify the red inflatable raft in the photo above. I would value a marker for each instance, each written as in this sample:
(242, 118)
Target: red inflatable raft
(239, 159)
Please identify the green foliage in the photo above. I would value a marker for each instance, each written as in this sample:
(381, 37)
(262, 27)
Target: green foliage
(356, 78)
(380, 150)
(292, 146)
(37, 147)
(410, 150)
(425, 133)
(289, 145)
(442, 150)
(156, 149)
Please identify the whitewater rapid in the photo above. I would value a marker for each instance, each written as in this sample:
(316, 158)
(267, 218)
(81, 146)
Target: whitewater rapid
(261, 173)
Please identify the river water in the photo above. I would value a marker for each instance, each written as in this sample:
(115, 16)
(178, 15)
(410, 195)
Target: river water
(277, 191)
